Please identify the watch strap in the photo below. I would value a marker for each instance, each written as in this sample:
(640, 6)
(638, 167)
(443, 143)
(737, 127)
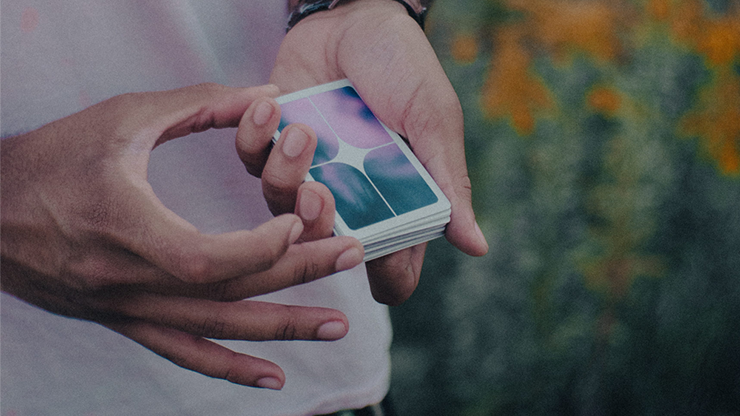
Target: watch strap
(306, 8)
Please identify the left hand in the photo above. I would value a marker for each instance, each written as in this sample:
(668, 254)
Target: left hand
(387, 57)
(85, 236)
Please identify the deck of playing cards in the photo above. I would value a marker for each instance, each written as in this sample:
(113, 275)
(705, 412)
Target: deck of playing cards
(384, 196)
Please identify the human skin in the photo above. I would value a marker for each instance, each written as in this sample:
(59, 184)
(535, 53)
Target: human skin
(387, 57)
(84, 236)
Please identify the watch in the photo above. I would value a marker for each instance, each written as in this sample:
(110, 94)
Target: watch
(306, 8)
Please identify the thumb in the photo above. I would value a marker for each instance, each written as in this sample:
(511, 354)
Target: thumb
(448, 168)
(463, 230)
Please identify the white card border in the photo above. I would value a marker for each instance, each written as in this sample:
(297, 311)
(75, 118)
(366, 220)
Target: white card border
(341, 227)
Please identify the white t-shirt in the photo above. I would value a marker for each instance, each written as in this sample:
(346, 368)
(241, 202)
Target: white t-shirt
(58, 57)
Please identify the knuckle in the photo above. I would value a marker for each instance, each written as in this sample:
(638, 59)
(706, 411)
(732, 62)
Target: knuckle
(252, 158)
(205, 118)
(286, 330)
(85, 274)
(227, 291)
(275, 183)
(209, 87)
(127, 114)
(178, 360)
(202, 120)
(306, 271)
(196, 363)
(233, 374)
(213, 327)
(119, 111)
(228, 374)
(124, 101)
(195, 267)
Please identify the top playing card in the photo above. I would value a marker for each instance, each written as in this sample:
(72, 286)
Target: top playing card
(376, 180)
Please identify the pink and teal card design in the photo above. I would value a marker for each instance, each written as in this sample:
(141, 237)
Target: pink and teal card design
(376, 180)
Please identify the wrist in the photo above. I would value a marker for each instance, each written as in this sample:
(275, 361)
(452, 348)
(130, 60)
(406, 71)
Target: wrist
(417, 5)
(300, 9)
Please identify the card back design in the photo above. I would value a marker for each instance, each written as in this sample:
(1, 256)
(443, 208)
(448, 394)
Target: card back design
(376, 180)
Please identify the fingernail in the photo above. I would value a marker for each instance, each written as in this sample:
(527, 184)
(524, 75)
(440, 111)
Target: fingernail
(331, 331)
(269, 383)
(348, 259)
(296, 232)
(295, 142)
(262, 113)
(481, 237)
(310, 205)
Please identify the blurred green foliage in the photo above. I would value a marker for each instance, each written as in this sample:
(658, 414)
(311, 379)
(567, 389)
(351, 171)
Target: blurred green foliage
(603, 142)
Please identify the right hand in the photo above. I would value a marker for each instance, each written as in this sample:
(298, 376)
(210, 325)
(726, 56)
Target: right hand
(85, 236)
(386, 55)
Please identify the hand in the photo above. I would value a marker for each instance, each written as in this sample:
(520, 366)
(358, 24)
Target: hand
(387, 57)
(84, 236)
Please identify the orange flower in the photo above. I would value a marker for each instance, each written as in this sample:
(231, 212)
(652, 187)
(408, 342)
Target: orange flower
(464, 48)
(659, 9)
(686, 20)
(604, 100)
(511, 90)
(565, 25)
(729, 158)
(716, 121)
(561, 27)
(720, 41)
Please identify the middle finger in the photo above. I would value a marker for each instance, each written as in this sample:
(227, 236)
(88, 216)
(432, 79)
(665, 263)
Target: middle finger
(302, 263)
(287, 167)
(240, 320)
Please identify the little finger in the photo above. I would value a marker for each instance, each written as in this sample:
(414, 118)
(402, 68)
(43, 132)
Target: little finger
(240, 320)
(202, 356)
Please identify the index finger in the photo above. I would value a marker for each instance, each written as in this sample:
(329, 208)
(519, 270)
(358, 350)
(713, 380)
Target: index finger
(142, 224)
(201, 107)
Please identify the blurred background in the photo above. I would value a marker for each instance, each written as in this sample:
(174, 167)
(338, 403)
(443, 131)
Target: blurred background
(603, 142)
